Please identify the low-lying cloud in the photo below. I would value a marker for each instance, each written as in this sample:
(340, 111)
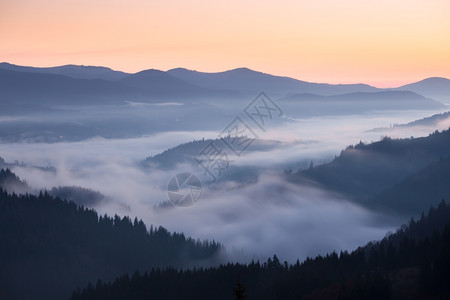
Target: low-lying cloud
(253, 220)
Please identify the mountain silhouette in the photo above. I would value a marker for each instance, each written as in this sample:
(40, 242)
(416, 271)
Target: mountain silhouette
(437, 88)
(74, 71)
(251, 82)
(82, 85)
(163, 84)
(35, 88)
(307, 104)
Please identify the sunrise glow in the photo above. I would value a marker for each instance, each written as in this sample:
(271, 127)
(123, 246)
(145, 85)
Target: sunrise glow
(384, 43)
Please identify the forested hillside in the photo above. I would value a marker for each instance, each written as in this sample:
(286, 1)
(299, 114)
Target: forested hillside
(363, 170)
(48, 247)
(418, 191)
(413, 263)
(9, 181)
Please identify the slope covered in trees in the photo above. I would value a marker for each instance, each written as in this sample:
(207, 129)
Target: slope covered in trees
(9, 181)
(418, 191)
(49, 246)
(413, 263)
(186, 152)
(364, 170)
(79, 195)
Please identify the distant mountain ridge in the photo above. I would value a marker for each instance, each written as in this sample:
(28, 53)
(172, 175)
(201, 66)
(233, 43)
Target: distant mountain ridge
(437, 88)
(358, 102)
(82, 85)
(35, 88)
(238, 79)
(251, 82)
(74, 71)
(165, 86)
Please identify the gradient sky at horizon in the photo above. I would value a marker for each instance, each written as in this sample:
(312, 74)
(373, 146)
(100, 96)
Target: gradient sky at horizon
(383, 43)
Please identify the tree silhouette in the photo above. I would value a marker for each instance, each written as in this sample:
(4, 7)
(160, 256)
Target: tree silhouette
(239, 291)
(366, 273)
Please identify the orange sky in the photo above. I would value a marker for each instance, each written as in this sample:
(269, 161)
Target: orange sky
(384, 43)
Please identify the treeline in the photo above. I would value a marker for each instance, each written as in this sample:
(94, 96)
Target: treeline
(413, 263)
(10, 181)
(79, 195)
(49, 246)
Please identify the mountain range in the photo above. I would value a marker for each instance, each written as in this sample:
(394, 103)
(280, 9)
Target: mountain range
(74, 71)
(251, 82)
(71, 84)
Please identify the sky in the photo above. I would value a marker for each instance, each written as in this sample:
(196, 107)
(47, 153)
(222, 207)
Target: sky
(383, 43)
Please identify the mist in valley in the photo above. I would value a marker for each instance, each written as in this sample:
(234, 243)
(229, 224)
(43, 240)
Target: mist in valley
(253, 218)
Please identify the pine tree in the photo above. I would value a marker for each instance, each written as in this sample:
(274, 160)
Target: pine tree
(239, 291)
